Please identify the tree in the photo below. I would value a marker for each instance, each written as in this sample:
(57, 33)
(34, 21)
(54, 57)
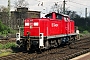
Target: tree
(57, 8)
(72, 14)
(20, 3)
(3, 9)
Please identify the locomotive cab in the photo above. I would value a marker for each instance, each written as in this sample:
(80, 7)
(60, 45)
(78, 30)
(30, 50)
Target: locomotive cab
(54, 16)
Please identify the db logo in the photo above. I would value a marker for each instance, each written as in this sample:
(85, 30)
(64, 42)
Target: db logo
(54, 25)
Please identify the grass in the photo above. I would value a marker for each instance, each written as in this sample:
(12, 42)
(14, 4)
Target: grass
(5, 54)
(6, 49)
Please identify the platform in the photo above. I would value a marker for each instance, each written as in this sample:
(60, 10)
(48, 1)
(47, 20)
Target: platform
(82, 57)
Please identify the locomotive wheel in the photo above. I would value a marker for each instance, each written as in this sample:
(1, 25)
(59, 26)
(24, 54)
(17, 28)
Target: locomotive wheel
(56, 43)
(47, 44)
(59, 42)
(72, 41)
(27, 45)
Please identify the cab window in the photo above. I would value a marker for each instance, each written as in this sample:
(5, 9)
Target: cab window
(65, 18)
(59, 16)
(48, 16)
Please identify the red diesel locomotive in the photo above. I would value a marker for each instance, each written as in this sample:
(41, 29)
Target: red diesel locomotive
(44, 33)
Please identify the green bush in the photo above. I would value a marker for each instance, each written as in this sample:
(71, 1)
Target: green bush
(7, 45)
(84, 29)
(1, 46)
(4, 30)
(85, 32)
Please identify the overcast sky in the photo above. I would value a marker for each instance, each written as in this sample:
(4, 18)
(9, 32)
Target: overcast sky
(74, 5)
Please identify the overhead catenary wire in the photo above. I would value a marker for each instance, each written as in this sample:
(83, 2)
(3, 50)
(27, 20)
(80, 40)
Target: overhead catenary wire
(71, 5)
(79, 3)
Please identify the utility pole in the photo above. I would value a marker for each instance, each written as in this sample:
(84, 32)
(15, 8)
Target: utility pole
(89, 14)
(9, 14)
(64, 7)
(85, 12)
(86, 16)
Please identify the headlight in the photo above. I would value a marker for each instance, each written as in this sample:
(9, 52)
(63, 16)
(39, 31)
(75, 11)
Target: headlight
(31, 27)
(26, 24)
(35, 23)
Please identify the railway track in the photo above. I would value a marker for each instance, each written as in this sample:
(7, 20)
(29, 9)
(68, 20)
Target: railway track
(4, 41)
(62, 53)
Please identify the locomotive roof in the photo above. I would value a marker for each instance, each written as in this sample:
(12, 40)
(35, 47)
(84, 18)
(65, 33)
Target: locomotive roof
(57, 14)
